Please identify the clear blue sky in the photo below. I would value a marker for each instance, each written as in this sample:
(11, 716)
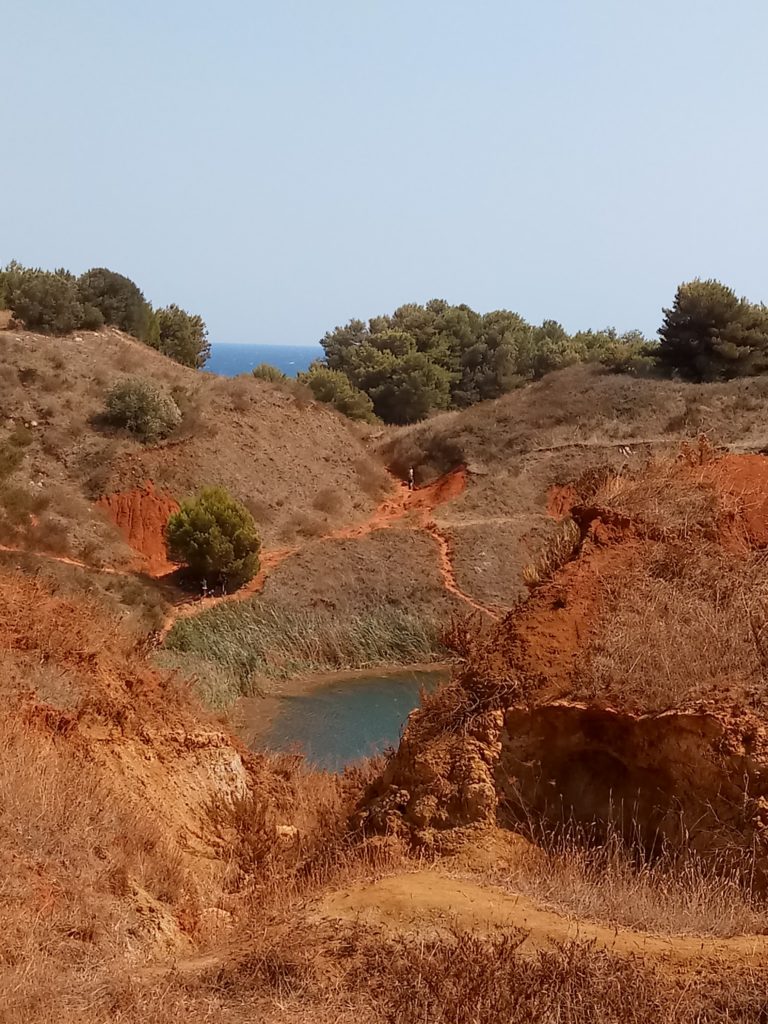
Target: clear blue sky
(280, 167)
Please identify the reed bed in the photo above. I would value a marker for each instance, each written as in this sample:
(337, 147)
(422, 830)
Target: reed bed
(241, 646)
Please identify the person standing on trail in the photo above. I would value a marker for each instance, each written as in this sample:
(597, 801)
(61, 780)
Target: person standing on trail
(410, 478)
(205, 589)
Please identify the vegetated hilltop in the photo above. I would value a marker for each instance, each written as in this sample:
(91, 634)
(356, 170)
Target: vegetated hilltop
(628, 691)
(69, 474)
(423, 359)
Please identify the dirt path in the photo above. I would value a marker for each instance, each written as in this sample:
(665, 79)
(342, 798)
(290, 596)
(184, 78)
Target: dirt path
(431, 900)
(448, 575)
(413, 509)
(63, 560)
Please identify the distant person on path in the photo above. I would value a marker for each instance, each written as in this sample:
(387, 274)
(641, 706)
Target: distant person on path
(204, 589)
(410, 479)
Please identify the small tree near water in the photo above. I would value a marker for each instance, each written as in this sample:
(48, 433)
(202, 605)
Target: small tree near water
(215, 537)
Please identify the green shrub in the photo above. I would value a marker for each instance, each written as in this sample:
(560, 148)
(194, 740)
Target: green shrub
(91, 318)
(43, 301)
(215, 537)
(180, 336)
(142, 408)
(638, 362)
(334, 387)
(117, 300)
(265, 371)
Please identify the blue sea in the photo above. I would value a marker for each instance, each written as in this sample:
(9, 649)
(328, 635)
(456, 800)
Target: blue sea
(230, 360)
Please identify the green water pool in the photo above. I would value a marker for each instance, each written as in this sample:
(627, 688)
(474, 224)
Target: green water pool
(338, 722)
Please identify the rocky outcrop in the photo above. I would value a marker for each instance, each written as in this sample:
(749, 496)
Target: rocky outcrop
(430, 787)
(550, 721)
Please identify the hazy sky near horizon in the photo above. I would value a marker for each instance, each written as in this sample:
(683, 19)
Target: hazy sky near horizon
(280, 167)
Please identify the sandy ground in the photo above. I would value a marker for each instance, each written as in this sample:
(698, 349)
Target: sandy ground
(430, 900)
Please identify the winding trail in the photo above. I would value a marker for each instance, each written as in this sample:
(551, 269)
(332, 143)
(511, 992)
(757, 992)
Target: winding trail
(415, 507)
(63, 560)
(430, 899)
(412, 509)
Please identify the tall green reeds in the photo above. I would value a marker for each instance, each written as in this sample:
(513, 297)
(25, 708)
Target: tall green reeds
(253, 643)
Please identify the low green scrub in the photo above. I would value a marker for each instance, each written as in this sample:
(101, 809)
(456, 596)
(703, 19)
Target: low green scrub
(252, 643)
(142, 408)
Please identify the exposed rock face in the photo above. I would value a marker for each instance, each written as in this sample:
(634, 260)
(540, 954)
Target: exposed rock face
(541, 722)
(436, 786)
(142, 516)
(696, 777)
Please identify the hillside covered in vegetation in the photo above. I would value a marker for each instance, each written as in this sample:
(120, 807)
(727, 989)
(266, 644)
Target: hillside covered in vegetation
(425, 359)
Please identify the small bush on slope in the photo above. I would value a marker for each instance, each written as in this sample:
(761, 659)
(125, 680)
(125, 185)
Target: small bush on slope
(142, 408)
(334, 387)
(215, 537)
(265, 371)
(12, 450)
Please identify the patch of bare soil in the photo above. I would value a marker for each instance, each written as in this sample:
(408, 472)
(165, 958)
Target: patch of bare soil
(389, 567)
(433, 901)
(142, 516)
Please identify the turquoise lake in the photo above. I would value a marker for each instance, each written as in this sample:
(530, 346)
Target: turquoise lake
(338, 722)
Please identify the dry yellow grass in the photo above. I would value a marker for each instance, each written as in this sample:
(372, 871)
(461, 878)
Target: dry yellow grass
(672, 893)
(689, 623)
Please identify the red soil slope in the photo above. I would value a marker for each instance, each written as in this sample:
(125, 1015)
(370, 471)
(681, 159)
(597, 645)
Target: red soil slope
(540, 642)
(142, 516)
(656, 619)
(743, 478)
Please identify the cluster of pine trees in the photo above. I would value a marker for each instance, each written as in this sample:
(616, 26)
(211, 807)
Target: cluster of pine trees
(56, 302)
(422, 359)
